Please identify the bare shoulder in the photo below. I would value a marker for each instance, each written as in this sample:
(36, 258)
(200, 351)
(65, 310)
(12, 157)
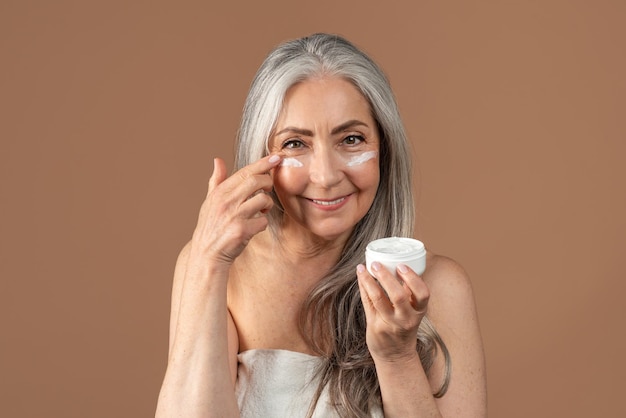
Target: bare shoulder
(452, 310)
(447, 281)
(451, 307)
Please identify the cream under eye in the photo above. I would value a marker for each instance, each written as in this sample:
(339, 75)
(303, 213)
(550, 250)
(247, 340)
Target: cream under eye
(361, 158)
(291, 162)
(352, 160)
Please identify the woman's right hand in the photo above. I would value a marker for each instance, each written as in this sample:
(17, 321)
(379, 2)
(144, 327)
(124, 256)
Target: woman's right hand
(203, 338)
(234, 210)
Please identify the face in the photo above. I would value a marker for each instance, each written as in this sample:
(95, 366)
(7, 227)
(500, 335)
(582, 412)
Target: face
(329, 141)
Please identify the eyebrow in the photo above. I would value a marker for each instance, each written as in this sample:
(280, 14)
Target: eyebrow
(306, 132)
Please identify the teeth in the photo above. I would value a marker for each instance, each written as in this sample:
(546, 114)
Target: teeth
(328, 203)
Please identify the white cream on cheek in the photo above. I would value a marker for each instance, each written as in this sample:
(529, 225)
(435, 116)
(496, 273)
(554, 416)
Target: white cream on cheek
(361, 158)
(291, 162)
(351, 162)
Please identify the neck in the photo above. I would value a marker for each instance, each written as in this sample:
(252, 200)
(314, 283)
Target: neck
(299, 245)
(293, 255)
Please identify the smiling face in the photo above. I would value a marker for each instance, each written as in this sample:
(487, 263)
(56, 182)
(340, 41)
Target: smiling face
(329, 142)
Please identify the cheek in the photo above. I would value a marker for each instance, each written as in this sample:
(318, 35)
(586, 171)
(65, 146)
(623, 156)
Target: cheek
(365, 175)
(289, 179)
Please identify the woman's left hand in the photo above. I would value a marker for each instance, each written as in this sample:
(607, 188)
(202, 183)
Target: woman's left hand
(394, 307)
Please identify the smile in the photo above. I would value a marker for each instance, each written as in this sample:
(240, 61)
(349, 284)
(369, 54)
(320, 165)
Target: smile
(328, 202)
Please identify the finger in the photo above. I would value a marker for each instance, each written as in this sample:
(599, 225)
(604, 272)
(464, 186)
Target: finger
(365, 299)
(255, 206)
(262, 166)
(256, 225)
(372, 295)
(399, 296)
(252, 178)
(416, 285)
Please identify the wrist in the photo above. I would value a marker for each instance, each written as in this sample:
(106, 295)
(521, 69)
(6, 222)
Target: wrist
(203, 259)
(398, 358)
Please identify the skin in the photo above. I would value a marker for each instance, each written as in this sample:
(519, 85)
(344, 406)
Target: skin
(325, 122)
(231, 294)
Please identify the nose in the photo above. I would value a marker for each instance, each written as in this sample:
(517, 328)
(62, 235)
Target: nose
(325, 169)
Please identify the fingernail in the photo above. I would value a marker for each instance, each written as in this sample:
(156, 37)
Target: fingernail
(376, 266)
(274, 159)
(360, 268)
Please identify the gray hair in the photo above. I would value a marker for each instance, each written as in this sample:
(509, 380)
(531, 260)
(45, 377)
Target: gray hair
(332, 318)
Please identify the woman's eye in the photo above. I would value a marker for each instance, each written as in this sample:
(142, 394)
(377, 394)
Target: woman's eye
(353, 140)
(293, 144)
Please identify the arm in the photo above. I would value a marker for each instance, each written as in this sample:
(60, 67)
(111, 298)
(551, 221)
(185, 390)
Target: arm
(394, 310)
(179, 275)
(203, 341)
(452, 311)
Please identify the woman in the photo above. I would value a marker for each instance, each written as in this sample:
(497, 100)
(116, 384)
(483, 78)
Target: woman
(273, 313)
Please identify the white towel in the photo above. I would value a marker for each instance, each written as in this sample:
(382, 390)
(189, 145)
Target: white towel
(279, 384)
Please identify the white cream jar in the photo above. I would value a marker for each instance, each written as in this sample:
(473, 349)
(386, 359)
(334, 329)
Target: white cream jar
(395, 250)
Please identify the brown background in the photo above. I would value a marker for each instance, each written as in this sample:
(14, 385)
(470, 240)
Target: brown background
(110, 116)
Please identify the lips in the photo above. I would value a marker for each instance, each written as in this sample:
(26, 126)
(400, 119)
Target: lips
(328, 202)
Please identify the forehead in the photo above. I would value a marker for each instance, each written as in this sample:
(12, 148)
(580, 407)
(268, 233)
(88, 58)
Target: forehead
(326, 100)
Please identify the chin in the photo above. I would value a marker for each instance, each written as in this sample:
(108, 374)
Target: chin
(331, 234)
(320, 229)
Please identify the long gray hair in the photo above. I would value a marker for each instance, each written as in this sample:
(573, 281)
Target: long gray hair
(332, 318)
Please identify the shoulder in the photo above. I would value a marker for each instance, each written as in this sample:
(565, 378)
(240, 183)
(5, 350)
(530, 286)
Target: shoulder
(450, 288)
(452, 311)
(445, 274)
